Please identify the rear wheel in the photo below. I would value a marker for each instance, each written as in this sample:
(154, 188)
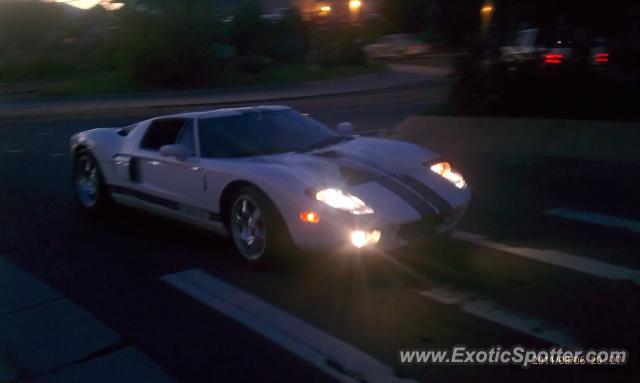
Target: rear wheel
(88, 182)
(257, 229)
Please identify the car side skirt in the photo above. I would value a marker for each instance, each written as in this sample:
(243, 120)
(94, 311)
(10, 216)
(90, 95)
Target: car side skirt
(215, 226)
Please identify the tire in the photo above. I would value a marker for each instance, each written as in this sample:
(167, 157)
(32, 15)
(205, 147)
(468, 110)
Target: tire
(88, 183)
(258, 232)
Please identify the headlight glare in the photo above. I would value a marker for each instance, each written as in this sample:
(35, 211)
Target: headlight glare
(444, 169)
(339, 199)
(360, 238)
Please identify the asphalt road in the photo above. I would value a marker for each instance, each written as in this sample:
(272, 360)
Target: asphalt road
(541, 278)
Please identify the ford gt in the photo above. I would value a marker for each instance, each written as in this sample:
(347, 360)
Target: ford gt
(270, 177)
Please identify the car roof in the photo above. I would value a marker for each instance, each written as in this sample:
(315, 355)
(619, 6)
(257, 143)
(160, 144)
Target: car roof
(225, 112)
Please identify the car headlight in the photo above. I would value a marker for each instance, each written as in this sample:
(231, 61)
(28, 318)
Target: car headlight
(339, 199)
(444, 170)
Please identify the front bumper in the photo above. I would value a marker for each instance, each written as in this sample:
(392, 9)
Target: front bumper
(336, 235)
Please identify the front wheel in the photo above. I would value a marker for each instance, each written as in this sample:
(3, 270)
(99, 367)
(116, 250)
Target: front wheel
(89, 186)
(256, 227)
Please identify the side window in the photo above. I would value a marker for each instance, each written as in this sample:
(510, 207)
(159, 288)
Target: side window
(186, 136)
(162, 132)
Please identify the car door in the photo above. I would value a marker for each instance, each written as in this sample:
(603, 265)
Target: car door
(174, 183)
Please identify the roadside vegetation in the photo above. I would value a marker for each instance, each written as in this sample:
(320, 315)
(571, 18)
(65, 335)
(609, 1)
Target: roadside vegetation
(150, 45)
(168, 45)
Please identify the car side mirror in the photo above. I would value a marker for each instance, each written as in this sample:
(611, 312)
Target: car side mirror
(345, 129)
(178, 151)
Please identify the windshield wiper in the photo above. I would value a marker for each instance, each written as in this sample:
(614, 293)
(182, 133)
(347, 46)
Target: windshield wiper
(329, 141)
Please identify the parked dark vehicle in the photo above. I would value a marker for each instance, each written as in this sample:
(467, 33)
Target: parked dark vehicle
(551, 52)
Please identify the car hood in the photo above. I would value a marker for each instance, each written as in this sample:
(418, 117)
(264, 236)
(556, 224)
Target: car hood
(362, 155)
(373, 169)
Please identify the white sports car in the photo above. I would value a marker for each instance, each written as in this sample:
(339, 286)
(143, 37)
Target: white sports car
(269, 177)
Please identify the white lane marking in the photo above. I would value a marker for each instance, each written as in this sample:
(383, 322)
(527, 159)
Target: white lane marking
(489, 311)
(556, 258)
(331, 355)
(13, 151)
(596, 219)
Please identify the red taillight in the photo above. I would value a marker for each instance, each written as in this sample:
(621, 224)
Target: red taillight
(553, 58)
(601, 57)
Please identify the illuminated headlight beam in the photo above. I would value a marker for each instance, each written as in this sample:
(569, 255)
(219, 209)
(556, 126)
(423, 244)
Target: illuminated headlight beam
(360, 238)
(444, 170)
(339, 199)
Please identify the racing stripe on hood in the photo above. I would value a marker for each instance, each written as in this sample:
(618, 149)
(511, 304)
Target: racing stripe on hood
(421, 205)
(356, 170)
(440, 203)
(407, 182)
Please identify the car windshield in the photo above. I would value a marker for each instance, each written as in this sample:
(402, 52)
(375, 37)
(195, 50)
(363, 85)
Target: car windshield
(256, 133)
